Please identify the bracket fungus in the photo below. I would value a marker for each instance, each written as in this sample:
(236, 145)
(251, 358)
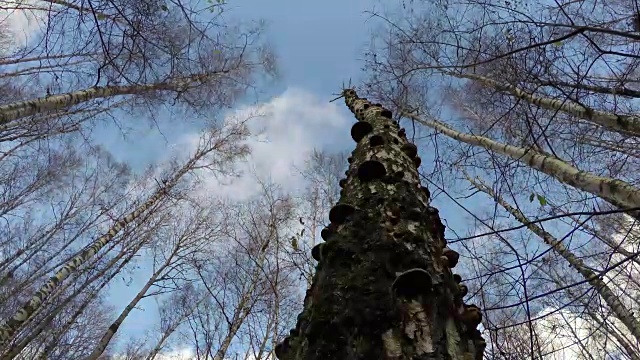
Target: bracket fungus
(452, 257)
(463, 290)
(417, 161)
(371, 170)
(360, 129)
(412, 283)
(340, 213)
(342, 183)
(471, 316)
(386, 113)
(402, 133)
(426, 192)
(398, 175)
(326, 233)
(316, 252)
(457, 278)
(376, 140)
(282, 348)
(349, 159)
(410, 149)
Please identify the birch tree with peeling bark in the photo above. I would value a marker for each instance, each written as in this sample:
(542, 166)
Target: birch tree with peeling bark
(175, 247)
(619, 309)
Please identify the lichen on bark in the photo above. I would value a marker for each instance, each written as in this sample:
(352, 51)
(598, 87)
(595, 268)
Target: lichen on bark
(383, 288)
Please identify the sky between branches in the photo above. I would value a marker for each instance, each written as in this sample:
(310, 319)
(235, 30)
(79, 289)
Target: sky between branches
(319, 45)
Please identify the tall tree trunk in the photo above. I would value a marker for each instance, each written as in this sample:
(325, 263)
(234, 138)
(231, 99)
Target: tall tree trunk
(45, 323)
(624, 124)
(18, 110)
(111, 331)
(617, 192)
(53, 342)
(599, 320)
(383, 288)
(10, 326)
(609, 297)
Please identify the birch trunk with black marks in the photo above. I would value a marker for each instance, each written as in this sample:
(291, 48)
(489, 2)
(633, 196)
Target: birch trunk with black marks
(602, 321)
(46, 322)
(10, 326)
(383, 287)
(21, 109)
(595, 280)
(111, 331)
(624, 124)
(617, 192)
(53, 342)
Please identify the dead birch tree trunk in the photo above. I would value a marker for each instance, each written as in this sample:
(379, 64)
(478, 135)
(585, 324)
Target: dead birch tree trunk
(383, 288)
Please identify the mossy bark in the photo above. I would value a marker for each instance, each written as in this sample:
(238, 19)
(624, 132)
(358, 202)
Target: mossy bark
(383, 287)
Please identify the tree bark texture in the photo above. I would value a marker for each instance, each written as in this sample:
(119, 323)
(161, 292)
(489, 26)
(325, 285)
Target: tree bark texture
(21, 109)
(383, 287)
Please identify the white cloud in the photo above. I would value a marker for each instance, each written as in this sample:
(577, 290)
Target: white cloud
(21, 24)
(291, 126)
(180, 354)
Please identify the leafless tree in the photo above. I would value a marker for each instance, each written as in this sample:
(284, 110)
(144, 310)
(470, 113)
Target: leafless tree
(225, 142)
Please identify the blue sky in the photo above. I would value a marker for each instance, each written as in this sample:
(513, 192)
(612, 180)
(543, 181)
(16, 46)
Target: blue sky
(318, 45)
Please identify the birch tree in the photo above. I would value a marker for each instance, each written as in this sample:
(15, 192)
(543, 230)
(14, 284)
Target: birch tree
(124, 55)
(247, 286)
(175, 246)
(226, 141)
(383, 287)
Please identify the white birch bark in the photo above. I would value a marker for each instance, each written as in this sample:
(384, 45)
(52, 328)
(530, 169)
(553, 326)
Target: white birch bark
(21, 109)
(624, 124)
(10, 326)
(617, 192)
(609, 297)
(111, 331)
